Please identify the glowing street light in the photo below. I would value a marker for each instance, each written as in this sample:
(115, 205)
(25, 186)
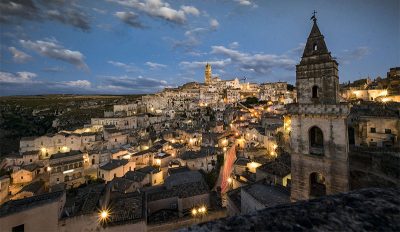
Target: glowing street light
(104, 215)
(194, 212)
(201, 211)
(229, 180)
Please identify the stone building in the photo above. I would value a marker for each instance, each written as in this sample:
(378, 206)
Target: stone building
(319, 143)
(38, 213)
(4, 184)
(67, 168)
(116, 168)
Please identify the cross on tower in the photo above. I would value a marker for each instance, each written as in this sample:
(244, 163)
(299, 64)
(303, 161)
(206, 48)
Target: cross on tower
(313, 17)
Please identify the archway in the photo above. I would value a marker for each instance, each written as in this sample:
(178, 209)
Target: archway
(317, 185)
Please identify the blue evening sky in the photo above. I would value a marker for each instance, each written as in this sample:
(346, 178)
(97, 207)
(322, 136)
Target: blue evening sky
(142, 46)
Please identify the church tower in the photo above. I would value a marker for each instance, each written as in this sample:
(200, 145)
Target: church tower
(318, 135)
(207, 74)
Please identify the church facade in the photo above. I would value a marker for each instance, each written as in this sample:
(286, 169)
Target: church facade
(318, 136)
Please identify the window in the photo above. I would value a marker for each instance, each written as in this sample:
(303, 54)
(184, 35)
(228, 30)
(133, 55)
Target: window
(155, 181)
(315, 91)
(22, 177)
(388, 131)
(373, 130)
(93, 161)
(30, 160)
(315, 47)
(102, 176)
(115, 175)
(316, 139)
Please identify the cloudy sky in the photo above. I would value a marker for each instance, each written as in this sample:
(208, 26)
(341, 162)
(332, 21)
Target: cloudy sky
(142, 46)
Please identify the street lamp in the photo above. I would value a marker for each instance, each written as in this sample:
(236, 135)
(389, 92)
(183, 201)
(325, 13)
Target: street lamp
(200, 211)
(104, 215)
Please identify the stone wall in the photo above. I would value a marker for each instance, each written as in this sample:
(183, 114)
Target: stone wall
(374, 167)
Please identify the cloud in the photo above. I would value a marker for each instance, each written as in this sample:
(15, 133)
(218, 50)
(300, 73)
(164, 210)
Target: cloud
(19, 56)
(214, 24)
(351, 55)
(192, 39)
(160, 9)
(17, 11)
(133, 84)
(129, 18)
(234, 45)
(218, 64)
(70, 17)
(153, 65)
(17, 78)
(78, 83)
(258, 63)
(246, 3)
(100, 11)
(190, 10)
(53, 49)
(53, 69)
(127, 67)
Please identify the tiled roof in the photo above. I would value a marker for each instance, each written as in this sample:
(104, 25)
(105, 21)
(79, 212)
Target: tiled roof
(113, 164)
(266, 194)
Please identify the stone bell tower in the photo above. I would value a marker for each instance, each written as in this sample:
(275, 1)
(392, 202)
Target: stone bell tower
(318, 126)
(207, 74)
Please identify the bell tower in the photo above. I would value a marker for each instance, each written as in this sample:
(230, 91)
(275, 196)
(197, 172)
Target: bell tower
(207, 74)
(318, 135)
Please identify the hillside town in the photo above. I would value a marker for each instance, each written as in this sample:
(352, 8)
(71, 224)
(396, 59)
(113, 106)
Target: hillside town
(204, 151)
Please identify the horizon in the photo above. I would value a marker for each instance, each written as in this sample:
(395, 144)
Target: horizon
(141, 47)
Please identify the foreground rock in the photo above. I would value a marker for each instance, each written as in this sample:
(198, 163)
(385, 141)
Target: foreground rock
(363, 210)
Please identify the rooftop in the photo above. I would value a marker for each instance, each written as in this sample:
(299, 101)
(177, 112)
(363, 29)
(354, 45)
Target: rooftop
(181, 191)
(134, 175)
(33, 187)
(113, 164)
(204, 151)
(127, 208)
(66, 154)
(275, 168)
(83, 200)
(266, 194)
(172, 171)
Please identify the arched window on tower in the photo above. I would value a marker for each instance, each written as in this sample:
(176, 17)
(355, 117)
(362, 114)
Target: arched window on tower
(315, 91)
(316, 139)
(315, 47)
